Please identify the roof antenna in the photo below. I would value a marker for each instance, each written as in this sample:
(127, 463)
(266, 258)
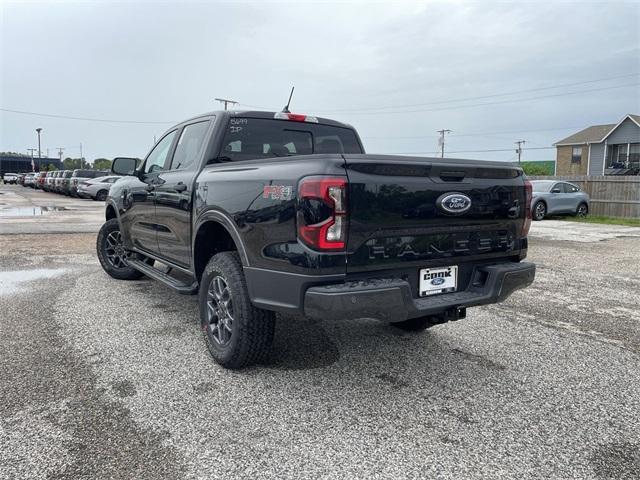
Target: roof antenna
(286, 107)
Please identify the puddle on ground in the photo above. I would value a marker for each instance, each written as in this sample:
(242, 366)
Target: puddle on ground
(28, 211)
(9, 281)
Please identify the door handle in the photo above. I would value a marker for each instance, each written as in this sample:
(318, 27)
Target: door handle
(180, 187)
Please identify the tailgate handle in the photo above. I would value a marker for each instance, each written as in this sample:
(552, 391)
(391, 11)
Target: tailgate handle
(452, 176)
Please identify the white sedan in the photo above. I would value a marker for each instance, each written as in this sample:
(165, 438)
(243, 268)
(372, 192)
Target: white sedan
(97, 188)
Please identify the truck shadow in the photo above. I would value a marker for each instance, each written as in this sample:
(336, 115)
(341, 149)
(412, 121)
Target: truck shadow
(363, 348)
(369, 345)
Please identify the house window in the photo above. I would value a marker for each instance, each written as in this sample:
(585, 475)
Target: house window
(576, 155)
(617, 156)
(634, 155)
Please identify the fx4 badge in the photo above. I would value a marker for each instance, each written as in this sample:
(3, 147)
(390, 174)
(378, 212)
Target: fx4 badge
(453, 203)
(277, 192)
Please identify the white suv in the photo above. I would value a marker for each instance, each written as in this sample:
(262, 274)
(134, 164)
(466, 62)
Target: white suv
(10, 178)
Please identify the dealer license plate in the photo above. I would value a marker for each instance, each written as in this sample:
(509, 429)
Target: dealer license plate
(438, 280)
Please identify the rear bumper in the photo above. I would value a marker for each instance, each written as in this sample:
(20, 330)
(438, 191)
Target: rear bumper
(392, 299)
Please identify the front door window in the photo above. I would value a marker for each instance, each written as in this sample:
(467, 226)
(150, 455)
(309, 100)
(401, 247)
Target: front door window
(158, 156)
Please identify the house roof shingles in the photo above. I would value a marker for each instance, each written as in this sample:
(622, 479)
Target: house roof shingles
(594, 133)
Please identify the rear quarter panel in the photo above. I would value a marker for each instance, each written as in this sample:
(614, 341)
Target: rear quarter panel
(265, 219)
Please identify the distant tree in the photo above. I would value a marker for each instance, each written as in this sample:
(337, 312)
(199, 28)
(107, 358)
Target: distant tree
(72, 163)
(51, 168)
(14, 154)
(102, 164)
(534, 169)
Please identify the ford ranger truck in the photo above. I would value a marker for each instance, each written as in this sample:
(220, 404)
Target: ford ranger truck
(265, 212)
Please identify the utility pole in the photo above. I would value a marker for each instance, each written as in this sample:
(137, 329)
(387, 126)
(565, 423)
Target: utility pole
(60, 152)
(33, 165)
(226, 102)
(81, 157)
(519, 143)
(39, 152)
(441, 141)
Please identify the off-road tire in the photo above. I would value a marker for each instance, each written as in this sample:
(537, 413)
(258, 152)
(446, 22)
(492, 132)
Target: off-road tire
(121, 273)
(539, 211)
(252, 329)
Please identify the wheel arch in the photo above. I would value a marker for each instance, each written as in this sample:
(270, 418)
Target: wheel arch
(110, 212)
(214, 232)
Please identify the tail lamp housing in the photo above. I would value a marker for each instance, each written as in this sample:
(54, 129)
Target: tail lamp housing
(322, 213)
(528, 195)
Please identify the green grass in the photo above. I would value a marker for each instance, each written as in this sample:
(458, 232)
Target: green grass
(630, 222)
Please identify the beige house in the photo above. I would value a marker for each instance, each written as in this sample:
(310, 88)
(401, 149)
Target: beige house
(611, 149)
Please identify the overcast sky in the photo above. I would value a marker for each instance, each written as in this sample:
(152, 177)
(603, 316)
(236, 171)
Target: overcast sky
(396, 71)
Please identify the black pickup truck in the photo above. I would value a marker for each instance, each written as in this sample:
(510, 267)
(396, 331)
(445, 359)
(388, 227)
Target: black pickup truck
(262, 212)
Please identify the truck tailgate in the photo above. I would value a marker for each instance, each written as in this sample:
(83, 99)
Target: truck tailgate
(396, 222)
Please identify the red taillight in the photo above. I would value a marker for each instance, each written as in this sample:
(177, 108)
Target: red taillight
(295, 117)
(528, 193)
(325, 197)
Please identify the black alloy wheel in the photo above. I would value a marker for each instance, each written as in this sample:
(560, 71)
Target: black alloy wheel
(220, 311)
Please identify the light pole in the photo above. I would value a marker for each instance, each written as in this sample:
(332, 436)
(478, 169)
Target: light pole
(39, 152)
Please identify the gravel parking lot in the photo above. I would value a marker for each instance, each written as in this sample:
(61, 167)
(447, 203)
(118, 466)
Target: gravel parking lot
(108, 379)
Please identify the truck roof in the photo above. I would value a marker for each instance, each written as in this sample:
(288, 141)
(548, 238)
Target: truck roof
(263, 114)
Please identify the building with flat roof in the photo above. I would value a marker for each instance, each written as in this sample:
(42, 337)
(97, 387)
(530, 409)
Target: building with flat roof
(11, 163)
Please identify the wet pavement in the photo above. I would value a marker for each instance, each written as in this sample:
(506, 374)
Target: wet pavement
(24, 210)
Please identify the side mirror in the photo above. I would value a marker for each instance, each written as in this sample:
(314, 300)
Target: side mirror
(555, 190)
(124, 166)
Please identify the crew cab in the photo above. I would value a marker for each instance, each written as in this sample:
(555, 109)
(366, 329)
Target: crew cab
(265, 212)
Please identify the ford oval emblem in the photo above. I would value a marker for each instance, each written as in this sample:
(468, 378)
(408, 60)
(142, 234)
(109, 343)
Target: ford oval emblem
(453, 203)
(437, 281)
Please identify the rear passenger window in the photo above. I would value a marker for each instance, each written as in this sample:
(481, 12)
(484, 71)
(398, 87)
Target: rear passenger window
(189, 145)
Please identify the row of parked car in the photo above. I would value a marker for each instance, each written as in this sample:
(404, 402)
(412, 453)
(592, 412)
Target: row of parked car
(81, 183)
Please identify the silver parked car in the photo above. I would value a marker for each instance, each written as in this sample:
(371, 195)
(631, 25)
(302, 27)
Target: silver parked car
(551, 197)
(96, 188)
(29, 180)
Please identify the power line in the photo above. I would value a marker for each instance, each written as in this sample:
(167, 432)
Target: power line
(88, 119)
(439, 102)
(498, 102)
(481, 134)
(141, 122)
(492, 95)
(514, 100)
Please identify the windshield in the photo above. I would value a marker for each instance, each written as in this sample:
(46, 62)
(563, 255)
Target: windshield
(252, 138)
(541, 186)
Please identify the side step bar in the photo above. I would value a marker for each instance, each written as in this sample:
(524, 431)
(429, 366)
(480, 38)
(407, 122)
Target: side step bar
(177, 285)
